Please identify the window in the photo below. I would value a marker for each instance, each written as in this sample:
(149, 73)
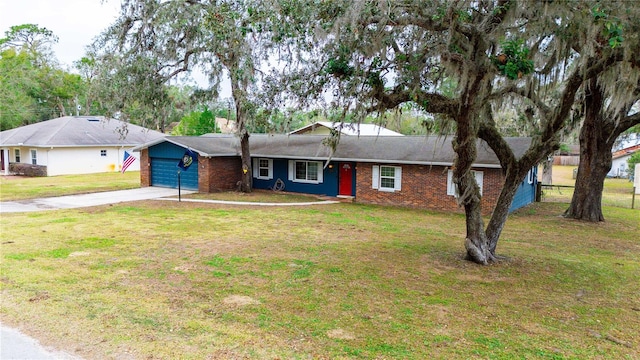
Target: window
(530, 176)
(305, 171)
(452, 188)
(16, 152)
(263, 169)
(103, 152)
(386, 178)
(34, 157)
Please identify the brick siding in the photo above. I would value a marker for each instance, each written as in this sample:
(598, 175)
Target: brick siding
(219, 173)
(28, 169)
(424, 187)
(145, 168)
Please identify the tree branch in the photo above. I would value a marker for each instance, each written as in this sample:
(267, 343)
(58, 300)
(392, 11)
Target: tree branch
(497, 143)
(429, 102)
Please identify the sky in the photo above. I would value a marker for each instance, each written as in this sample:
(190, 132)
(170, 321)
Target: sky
(75, 22)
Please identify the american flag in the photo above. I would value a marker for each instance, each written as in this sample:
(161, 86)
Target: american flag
(128, 160)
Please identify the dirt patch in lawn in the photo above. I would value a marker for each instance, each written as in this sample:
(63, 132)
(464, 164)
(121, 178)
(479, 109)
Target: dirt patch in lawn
(190, 280)
(240, 300)
(340, 334)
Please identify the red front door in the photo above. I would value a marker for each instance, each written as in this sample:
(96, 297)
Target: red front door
(345, 179)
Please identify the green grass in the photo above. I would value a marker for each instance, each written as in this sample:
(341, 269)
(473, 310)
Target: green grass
(21, 187)
(191, 281)
(617, 192)
(184, 280)
(256, 196)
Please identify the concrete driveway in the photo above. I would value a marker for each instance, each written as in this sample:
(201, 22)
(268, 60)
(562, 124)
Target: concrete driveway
(15, 345)
(86, 200)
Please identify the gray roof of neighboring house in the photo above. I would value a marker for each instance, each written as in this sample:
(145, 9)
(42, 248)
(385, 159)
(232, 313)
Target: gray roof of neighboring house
(79, 131)
(427, 150)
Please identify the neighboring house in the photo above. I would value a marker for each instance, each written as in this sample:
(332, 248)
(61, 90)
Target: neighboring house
(619, 166)
(71, 145)
(411, 171)
(325, 127)
(226, 126)
(568, 157)
(223, 126)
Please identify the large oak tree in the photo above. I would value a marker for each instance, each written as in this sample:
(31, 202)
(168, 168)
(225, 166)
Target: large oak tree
(600, 129)
(157, 41)
(379, 55)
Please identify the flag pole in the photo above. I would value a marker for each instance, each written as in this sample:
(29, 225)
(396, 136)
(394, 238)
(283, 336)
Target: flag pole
(179, 197)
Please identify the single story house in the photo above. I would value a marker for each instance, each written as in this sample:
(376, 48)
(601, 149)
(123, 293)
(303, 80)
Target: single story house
(226, 126)
(411, 171)
(71, 145)
(350, 129)
(619, 166)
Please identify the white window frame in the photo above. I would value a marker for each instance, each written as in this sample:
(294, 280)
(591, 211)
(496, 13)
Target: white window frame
(292, 172)
(103, 152)
(34, 156)
(530, 176)
(376, 178)
(16, 155)
(256, 168)
(452, 189)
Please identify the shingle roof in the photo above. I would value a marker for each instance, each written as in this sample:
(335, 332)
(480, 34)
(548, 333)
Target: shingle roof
(626, 151)
(426, 150)
(75, 131)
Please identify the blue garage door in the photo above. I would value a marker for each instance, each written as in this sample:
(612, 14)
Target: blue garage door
(164, 173)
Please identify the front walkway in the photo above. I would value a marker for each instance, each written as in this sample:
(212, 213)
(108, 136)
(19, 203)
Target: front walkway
(114, 197)
(254, 203)
(87, 200)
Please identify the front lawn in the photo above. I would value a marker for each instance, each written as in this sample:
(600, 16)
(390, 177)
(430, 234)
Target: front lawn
(617, 192)
(258, 196)
(14, 188)
(168, 280)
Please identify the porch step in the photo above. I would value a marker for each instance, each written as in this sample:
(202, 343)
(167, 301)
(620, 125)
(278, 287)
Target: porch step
(346, 198)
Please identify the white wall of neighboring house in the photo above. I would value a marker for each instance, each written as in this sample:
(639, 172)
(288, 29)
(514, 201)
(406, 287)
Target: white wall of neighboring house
(80, 160)
(619, 167)
(319, 130)
(636, 179)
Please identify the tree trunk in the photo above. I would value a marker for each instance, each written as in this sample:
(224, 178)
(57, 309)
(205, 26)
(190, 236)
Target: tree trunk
(514, 171)
(246, 182)
(464, 144)
(547, 171)
(476, 243)
(596, 141)
(500, 213)
(60, 107)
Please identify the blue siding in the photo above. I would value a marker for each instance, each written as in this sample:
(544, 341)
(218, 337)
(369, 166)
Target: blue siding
(164, 167)
(329, 185)
(167, 150)
(526, 193)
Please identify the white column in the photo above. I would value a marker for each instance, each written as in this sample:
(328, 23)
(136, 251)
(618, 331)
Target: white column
(5, 157)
